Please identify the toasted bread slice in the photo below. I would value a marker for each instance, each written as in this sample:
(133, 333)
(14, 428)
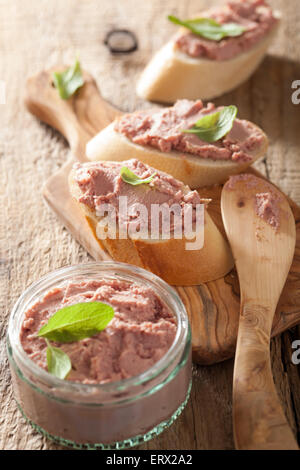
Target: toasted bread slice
(193, 171)
(168, 259)
(173, 75)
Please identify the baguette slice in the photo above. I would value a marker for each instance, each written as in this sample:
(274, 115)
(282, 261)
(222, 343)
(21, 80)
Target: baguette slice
(168, 259)
(193, 171)
(173, 75)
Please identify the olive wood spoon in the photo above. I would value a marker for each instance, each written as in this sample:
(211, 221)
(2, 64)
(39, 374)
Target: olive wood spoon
(263, 258)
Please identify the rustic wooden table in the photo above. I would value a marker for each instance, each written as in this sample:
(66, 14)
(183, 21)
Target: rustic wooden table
(37, 34)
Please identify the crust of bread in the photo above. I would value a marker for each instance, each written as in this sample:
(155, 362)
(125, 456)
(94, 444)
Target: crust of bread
(193, 171)
(173, 75)
(168, 259)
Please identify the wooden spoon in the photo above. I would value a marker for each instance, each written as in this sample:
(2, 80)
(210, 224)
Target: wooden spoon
(263, 257)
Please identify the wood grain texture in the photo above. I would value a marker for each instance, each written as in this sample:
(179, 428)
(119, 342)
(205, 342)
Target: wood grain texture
(258, 420)
(214, 317)
(33, 242)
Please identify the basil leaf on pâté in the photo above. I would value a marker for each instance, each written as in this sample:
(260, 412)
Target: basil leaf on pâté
(58, 362)
(68, 81)
(214, 126)
(209, 28)
(77, 322)
(131, 178)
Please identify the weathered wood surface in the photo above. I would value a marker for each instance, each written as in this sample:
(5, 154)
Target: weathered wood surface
(33, 241)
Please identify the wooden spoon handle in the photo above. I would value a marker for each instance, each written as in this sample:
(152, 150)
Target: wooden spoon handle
(78, 118)
(258, 419)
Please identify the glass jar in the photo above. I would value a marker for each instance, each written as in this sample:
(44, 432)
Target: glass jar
(114, 415)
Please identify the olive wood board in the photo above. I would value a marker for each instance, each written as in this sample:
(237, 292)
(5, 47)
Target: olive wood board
(213, 307)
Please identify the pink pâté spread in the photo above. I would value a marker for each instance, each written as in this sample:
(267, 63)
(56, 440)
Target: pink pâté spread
(141, 332)
(250, 180)
(101, 183)
(254, 15)
(162, 129)
(267, 208)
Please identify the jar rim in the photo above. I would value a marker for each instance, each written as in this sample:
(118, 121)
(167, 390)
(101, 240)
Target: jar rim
(131, 273)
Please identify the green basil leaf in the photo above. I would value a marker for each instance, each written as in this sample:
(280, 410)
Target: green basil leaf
(209, 28)
(58, 362)
(131, 178)
(232, 29)
(214, 126)
(68, 81)
(77, 322)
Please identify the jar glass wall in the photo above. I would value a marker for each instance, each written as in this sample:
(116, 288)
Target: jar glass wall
(111, 415)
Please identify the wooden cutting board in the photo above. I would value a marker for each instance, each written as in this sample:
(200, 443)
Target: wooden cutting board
(213, 307)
